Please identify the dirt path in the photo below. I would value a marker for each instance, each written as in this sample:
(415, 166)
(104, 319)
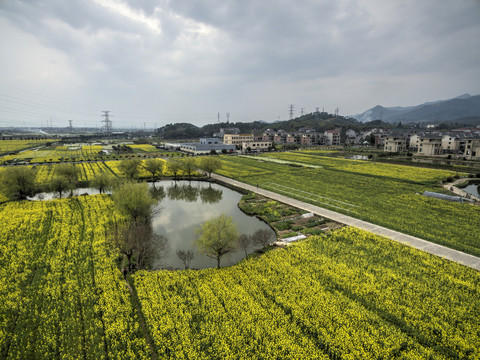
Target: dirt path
(427, 246)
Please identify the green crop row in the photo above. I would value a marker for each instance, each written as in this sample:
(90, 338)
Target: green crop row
(381, 199)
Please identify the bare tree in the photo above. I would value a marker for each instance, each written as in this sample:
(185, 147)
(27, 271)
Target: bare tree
(262, 237)
(139, 245)
(186, 256)
(244, 242)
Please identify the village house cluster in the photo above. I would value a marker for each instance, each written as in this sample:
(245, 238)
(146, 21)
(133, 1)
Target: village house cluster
(460, 142)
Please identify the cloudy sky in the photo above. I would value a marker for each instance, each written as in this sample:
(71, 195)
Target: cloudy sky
(153, 62)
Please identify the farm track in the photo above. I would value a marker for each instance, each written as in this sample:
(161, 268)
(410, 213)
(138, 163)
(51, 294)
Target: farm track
(415, 242)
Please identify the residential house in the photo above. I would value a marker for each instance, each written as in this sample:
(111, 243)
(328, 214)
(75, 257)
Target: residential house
(333, 137)
(395, 144)
(430, 145)
(472, 149)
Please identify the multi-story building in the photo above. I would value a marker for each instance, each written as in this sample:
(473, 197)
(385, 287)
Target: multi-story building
(472, 149)
(310, 138)
(237, 139)
(293, 138)
(395, 144)
(333, 137)
(430, 145)
(414, 142)
(280, 137)
(450, 144)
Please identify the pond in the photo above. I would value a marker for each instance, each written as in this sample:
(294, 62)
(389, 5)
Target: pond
(182, 207)
(472, 189)
(185, 207)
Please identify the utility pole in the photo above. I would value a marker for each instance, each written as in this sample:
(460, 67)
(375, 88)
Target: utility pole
(291, 111)
(336, 111)
(108, 123)
(302, 111)
(70, 127)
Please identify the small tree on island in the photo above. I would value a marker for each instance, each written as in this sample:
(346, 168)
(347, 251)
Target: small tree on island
(59, 185)
(244, 242)
(217, 237)
(262, 237)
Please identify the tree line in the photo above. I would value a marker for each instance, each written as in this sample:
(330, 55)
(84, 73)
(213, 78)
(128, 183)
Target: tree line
(18, 183)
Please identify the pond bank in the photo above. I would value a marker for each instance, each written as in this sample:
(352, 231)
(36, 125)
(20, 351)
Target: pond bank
(454, 187)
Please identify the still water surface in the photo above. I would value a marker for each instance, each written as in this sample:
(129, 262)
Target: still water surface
(185, 207)
(182, 207)
(472, 189)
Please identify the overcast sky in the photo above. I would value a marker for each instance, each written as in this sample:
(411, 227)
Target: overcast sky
(153, 62)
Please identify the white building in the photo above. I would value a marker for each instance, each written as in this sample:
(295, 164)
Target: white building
(256, 146)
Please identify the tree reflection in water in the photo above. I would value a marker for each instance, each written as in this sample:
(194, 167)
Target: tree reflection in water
(190, 193)
(210, 195)
(158, 193)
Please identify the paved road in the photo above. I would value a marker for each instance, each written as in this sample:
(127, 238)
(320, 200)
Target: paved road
(432, 248)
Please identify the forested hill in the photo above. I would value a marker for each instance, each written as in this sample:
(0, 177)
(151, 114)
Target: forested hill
(317, 122)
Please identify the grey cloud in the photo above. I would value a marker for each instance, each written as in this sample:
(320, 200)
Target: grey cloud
(225, 50)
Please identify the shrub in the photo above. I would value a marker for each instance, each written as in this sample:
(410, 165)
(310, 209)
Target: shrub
(297, 227)
(283, 225)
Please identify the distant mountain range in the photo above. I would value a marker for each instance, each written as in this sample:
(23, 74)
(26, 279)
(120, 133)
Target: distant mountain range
(464, 109)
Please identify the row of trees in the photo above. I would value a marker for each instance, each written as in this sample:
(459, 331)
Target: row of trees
(19, 182)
